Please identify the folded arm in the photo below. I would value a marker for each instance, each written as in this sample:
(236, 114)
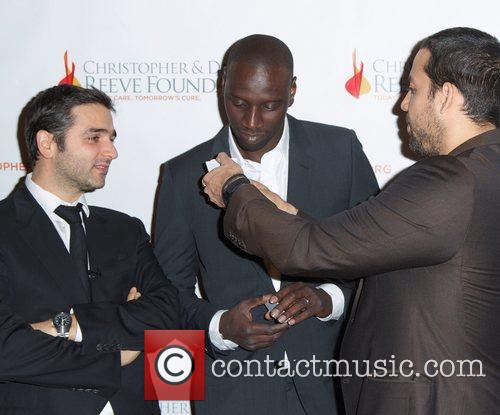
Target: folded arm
(106, 325)
(31, 356)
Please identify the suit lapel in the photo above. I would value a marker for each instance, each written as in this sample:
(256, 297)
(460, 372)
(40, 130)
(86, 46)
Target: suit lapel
(221, 142)
(299, 166)
(98, 240)
(299, 171)
(100, 248)
(37, 230)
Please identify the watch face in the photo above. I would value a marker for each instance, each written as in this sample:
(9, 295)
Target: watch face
(62, 320)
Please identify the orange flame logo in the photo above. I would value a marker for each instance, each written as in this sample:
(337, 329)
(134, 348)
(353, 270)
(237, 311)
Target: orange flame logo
(358, 84)
(70, 78)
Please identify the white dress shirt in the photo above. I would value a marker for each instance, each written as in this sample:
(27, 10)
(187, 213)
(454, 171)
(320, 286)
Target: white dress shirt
(49, 203)
(272, 171)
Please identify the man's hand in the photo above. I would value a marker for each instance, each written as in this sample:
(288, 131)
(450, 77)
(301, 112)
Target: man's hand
(133, 294)
(236, 325)
(214, 180)
(298, 302)
(128, 356)
(273, 197)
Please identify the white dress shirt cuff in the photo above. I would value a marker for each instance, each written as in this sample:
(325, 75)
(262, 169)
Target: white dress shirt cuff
(78, 335)
(338, 301)
(215, 335)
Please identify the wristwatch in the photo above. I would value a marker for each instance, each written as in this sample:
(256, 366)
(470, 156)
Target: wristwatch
(231, 184)
(62, 322)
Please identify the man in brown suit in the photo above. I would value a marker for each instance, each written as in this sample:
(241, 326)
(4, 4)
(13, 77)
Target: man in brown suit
(425, 327)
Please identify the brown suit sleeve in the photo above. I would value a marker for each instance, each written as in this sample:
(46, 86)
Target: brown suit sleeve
(420, 219)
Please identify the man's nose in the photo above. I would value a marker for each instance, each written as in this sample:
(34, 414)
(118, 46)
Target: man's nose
(253, 119)
(110, 150)
(404, 102)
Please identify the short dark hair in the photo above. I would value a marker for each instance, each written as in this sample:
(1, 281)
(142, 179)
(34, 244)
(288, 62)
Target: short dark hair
(50, 110)
(470, 60)
(261, 49)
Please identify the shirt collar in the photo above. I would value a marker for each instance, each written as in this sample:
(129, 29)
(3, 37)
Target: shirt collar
(49, 201)
(486, 138)
(281, 148)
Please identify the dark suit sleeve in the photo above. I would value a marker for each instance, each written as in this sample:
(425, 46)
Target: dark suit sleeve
(420, 219)
(363, 181)
(176, 250)
(107, 326)
(31, 356)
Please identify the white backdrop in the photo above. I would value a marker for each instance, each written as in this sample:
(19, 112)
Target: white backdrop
(158, 60)
(179, 45)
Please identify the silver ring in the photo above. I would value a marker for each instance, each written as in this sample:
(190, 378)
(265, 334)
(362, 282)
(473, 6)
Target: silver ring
(307, 301)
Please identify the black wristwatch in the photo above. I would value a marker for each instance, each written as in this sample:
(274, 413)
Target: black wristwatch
(231, 185)
(62, 322)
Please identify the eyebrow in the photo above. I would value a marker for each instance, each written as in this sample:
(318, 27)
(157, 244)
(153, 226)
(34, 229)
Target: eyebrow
(101, 130)
(243, 99)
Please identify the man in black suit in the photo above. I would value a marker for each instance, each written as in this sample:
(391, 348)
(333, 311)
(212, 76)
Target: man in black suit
(88, 289)
(291, 157)
(425, 336)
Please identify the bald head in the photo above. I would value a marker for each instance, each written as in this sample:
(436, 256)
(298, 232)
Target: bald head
(261, 50)
(258, 87)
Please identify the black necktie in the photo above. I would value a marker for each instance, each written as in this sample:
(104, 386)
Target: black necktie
(77, 240)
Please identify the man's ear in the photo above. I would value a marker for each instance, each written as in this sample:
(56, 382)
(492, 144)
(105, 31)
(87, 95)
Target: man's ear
(449, 96)
(293, 90)
(223, 78)
(46, 144)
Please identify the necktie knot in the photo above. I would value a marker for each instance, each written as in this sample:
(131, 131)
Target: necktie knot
(71, 214)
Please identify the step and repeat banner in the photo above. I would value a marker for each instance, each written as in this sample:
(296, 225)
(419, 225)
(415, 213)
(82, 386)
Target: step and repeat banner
(159, 61)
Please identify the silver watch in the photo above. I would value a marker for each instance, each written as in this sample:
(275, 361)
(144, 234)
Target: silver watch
(62, 323)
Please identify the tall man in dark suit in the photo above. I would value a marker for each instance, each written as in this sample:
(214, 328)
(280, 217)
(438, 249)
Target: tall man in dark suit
(426, 332)
(89, 288)
(291, 157)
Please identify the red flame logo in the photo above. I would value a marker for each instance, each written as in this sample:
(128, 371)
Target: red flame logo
(70, 78)
(358, 84)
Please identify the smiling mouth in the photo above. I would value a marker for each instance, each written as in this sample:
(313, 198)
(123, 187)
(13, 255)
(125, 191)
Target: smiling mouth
(251, 135)
(103, 168)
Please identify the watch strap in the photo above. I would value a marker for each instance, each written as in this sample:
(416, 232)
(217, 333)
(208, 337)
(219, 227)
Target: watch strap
(231, 185)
